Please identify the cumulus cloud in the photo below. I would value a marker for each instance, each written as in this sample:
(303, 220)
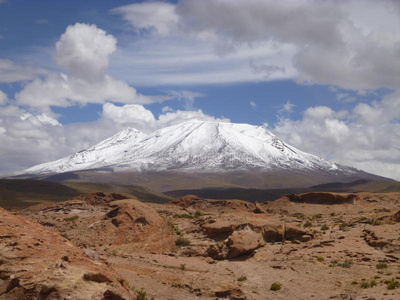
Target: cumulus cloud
(367, 137)
(83, 51)
(129, 113)
(253, 105)
(135, 115)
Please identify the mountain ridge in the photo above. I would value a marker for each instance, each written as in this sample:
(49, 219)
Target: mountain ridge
(193, 145)
(197, 154)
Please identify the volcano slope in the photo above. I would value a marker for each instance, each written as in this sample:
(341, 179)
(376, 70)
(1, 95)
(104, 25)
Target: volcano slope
(197, 154)
(307, 246)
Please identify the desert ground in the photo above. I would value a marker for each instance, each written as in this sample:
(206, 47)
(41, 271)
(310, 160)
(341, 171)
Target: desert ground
(113, 246)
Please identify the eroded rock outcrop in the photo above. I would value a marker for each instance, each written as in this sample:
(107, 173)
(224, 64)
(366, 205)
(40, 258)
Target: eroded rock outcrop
(38, 263)
(109, 222)
(241, 235)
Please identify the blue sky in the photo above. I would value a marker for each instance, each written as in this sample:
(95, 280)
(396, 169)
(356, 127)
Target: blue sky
(323, 76)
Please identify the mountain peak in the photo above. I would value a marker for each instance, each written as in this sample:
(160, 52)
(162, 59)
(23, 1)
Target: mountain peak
(192, 146)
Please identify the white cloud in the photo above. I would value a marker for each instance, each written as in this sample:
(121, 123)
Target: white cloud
(367, 137)
(83, 51)
(187, 97)
(286, 109)
(137, 116)
(14, 72)
(129, 113)
(3, 98)
(39, 120)
(351, 44)
(158, 16)
(187, 61)
(166, 109)
(253, 105)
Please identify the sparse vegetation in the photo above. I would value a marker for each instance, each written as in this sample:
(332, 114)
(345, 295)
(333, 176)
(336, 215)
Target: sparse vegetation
(182, 267)
(181, 241)
(71, 219)
(307, 224)
(298, 215)
(173, 227)
(324, 227)
(183, 216)
(317, 216)
(275, 286)
(343, 225)
(320, 258)
(242, 278)
(381, 265)
(368, 284)
(392, 284)
(198, 214)
(345, 264)
(141, 294)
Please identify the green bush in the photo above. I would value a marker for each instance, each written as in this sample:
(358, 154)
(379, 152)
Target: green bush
(320, 258)
(381, 266)
(298, 215)
(324, 227)
(307, 224)
(393, 284)
(181, 241)
(242, 278)
(367, 284)
(275, 286)
(141, 294)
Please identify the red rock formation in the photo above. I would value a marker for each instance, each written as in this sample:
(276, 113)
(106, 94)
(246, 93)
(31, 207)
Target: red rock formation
(38, 263)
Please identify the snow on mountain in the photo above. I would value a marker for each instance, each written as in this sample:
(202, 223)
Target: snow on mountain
(191, 146)
(99, 155)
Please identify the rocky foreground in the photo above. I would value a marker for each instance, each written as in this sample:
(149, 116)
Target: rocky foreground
(309, 246)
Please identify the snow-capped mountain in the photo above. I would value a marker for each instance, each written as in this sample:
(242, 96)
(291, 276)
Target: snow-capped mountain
(194, 146)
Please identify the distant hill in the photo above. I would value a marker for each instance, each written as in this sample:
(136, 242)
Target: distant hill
(262, 195)
(20, 193)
